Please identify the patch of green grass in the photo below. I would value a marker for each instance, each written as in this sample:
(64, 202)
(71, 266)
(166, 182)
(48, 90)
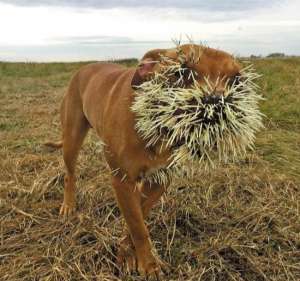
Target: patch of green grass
(22, 70)
(280, 85)
(35, 70)
(279, 143)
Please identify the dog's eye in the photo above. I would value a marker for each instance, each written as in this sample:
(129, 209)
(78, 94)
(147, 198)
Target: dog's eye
(188, 73)
(235, 80)
(178, 74)
(184, 76)
(182, 72)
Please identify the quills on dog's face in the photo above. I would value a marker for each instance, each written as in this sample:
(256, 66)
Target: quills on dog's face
(201, 105)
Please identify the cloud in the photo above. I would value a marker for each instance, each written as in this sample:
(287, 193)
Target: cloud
(91, 40)
(98, 29)
(204, 5)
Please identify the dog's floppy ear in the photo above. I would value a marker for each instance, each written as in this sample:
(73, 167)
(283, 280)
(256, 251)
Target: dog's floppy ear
(144, 69)
(147, 66)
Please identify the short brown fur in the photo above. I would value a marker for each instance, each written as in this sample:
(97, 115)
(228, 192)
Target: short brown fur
(100, 96)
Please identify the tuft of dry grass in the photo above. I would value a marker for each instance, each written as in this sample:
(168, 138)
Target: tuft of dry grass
(240, 222)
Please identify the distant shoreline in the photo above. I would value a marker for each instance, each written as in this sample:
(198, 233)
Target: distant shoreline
(72, 52)
(133, 60)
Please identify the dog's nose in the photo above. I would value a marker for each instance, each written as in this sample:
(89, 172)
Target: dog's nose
(211, 99)
(215, 98)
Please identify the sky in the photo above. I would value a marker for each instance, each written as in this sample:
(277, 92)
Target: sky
(61, 30)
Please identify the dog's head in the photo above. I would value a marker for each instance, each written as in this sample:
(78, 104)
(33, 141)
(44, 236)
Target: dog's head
(196, 100)
(197, 63)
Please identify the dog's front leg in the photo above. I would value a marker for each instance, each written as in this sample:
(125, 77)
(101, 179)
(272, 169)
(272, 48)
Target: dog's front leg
(129, 201)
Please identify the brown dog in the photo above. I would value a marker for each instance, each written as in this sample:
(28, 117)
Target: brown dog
(100, 96)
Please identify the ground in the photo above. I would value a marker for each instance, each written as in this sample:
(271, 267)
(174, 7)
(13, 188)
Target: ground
(239, 222)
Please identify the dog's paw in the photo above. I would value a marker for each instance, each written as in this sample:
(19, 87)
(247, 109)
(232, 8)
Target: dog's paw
(147, 265)
(126, 257)
(66, 210)
(152, 267)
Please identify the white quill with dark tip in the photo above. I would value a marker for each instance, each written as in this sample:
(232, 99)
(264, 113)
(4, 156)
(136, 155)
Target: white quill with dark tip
(195, 125)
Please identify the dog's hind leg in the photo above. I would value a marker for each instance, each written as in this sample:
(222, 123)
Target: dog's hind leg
(75, 127)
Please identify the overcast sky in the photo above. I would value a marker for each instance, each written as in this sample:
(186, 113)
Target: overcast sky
(77, 29)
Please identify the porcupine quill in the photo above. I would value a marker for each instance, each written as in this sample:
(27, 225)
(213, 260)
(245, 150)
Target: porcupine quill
(198, 127)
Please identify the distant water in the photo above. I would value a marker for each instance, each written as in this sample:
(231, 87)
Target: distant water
(79, 52)
(119, 50)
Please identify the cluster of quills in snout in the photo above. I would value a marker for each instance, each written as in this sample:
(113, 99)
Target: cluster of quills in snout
(197, 125)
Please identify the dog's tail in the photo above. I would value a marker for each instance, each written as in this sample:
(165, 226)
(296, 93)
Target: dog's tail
(56, 145)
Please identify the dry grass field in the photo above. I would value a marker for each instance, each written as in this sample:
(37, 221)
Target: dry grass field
(240, 222)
